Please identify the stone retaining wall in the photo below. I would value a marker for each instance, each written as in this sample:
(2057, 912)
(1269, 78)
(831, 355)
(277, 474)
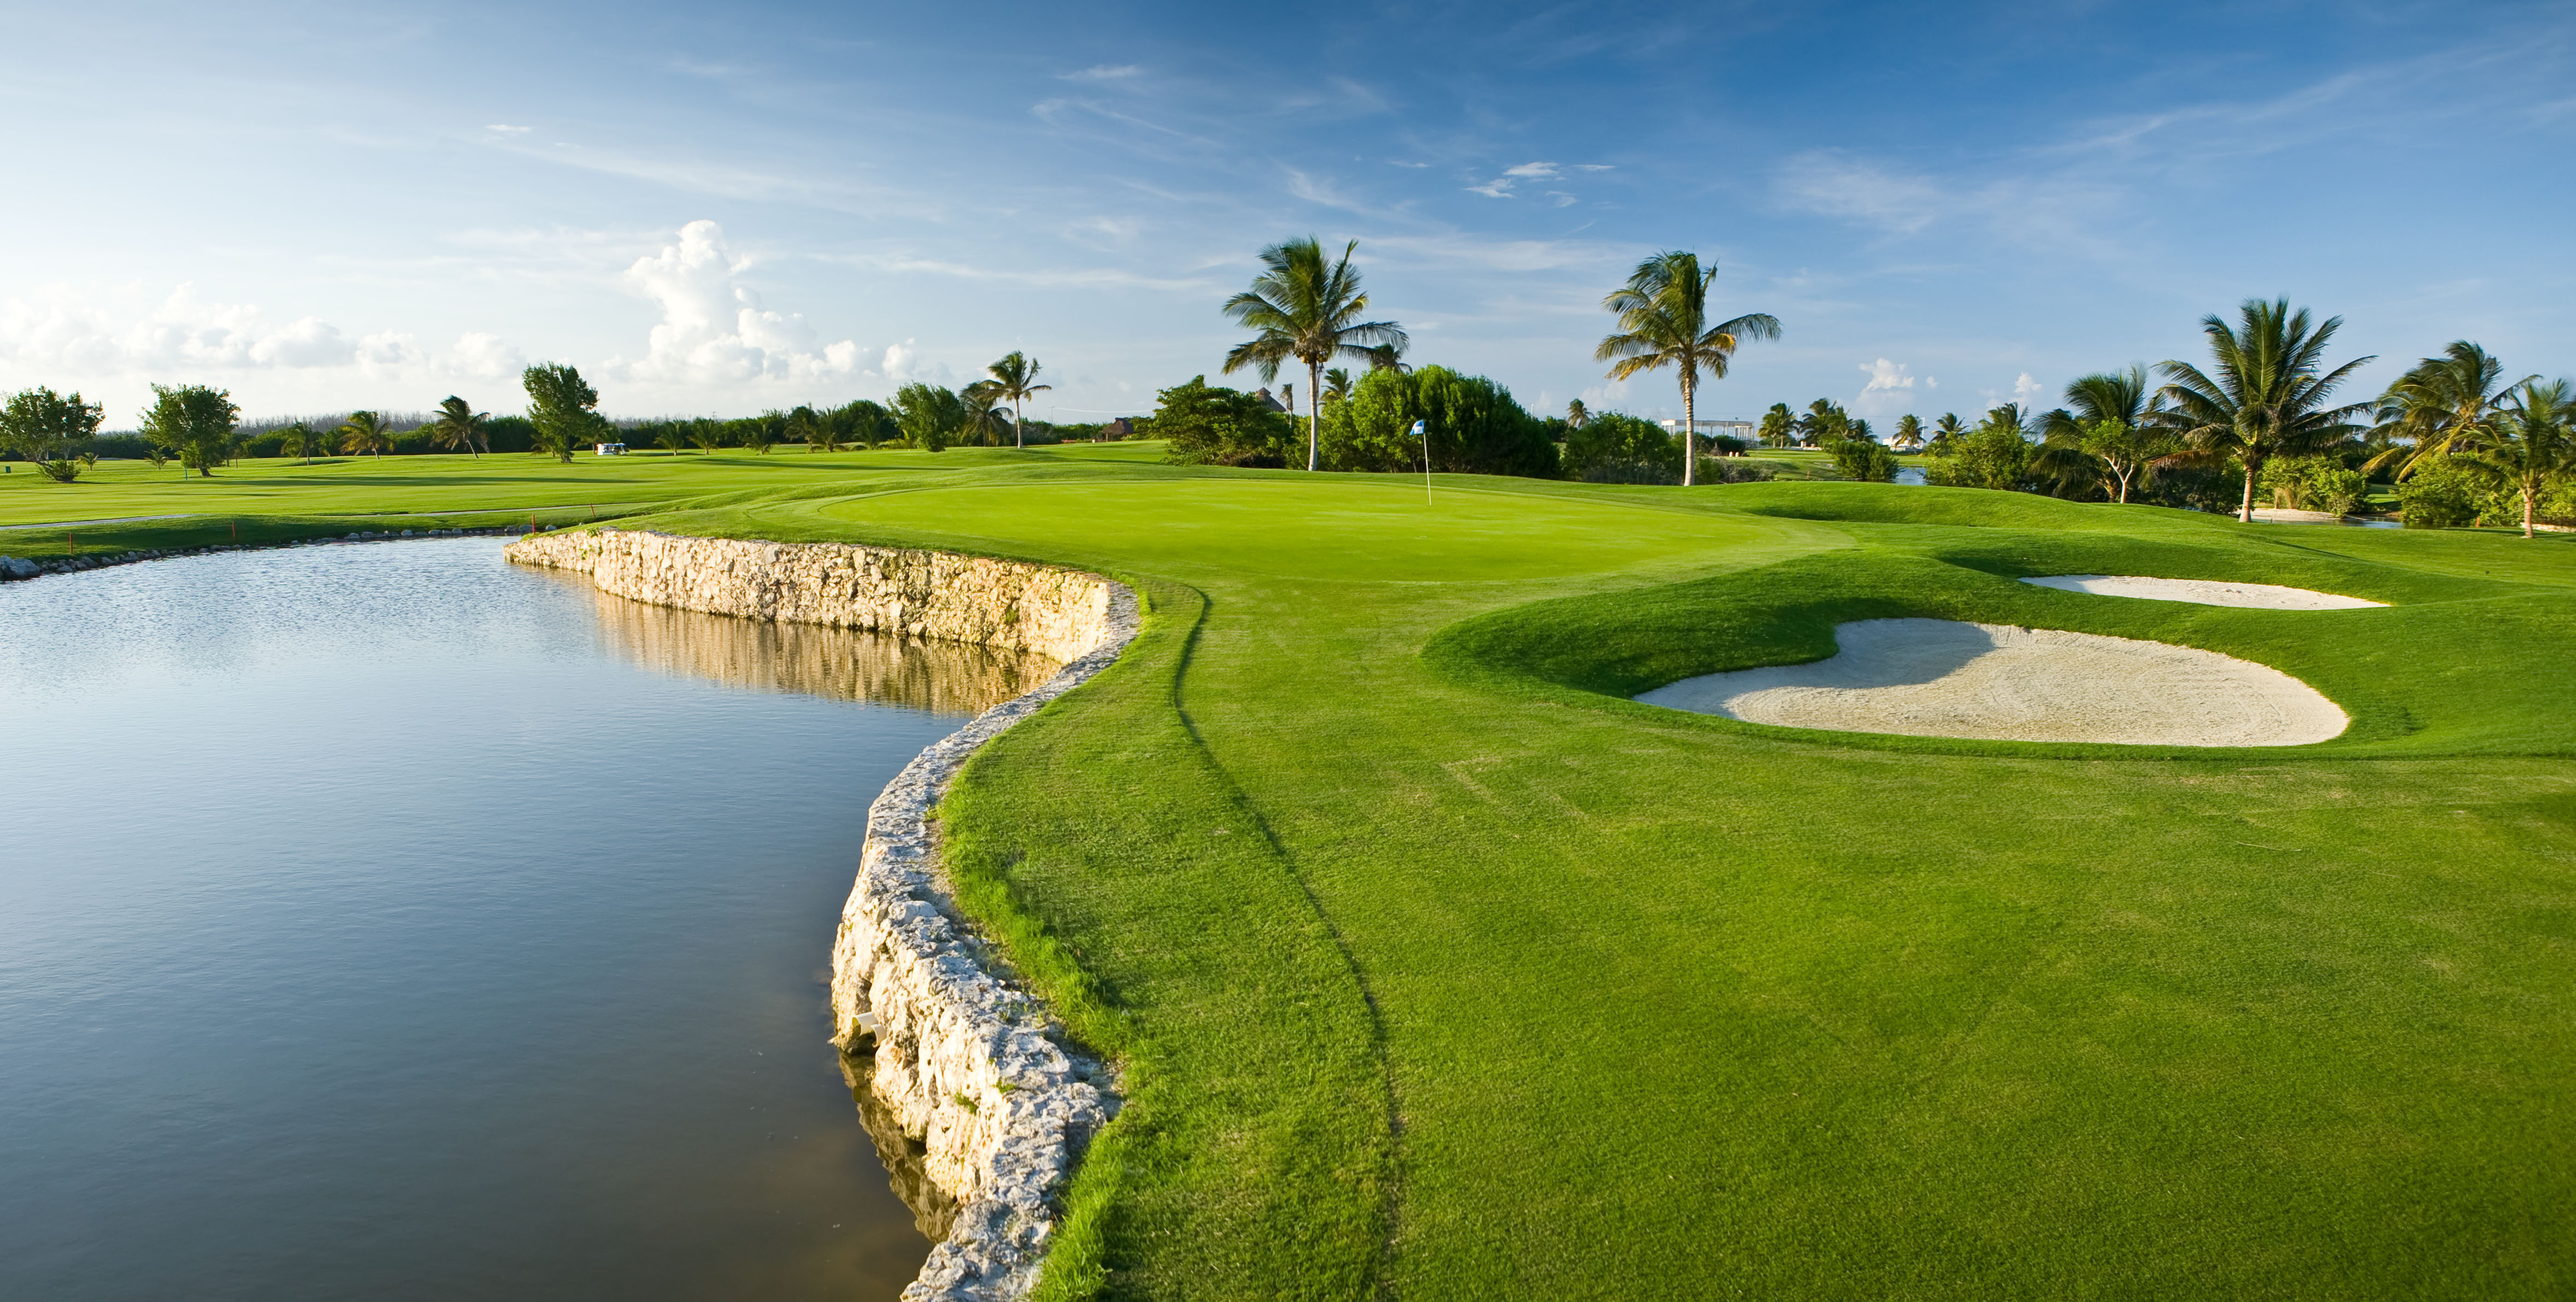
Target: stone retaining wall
(939, 595)
(965, 1058)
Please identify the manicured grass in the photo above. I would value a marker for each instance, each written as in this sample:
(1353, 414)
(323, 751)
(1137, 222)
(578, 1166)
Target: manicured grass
(1440, 970)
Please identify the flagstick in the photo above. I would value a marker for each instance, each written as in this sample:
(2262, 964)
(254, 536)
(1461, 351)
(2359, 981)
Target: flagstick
(1426, 461)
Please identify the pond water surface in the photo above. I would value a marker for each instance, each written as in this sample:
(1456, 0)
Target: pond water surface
(391, 922)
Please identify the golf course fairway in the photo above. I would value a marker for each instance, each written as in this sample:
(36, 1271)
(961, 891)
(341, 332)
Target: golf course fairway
(1437, 968)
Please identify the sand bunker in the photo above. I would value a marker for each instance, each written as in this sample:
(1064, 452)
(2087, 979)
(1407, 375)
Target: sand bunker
(2206, 592)
(1942, 678)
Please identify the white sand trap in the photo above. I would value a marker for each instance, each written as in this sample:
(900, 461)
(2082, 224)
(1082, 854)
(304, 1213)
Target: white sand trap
(1942, 678)
(2206, 592)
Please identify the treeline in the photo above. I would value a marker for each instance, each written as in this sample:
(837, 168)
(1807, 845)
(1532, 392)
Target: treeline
(1470, 425)
(202, 428)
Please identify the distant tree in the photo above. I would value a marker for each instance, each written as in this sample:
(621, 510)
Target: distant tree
(2530, 443)
(1309, 311)
(45, 427)
(2269, 394)
(762, 432)
(364, 432)
(866, 423)
(1663, 321)
(1824, 424)
(986, 417)
(194, 422)
(1015, 382)
(458, 425)
(671, 435)
(1208, 425)
(1337, 385)
(300, 440)
(1576, 413)
(2441, 405)
(1389, 357)
(2106, 437)
(931, 417)
(1909, 432)
(1616, 448)
(563, 407)
(1779, 427)
(1944, 430)
(817, 431)
(706, 433)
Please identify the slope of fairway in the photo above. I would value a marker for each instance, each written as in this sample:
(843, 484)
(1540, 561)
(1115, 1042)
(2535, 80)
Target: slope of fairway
(1455, 974)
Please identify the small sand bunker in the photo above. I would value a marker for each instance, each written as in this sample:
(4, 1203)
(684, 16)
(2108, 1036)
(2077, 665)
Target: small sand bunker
(2206, 592)
(1943, 678)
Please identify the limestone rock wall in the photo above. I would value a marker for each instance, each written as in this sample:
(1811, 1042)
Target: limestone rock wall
(963, 1055)
(952, 598)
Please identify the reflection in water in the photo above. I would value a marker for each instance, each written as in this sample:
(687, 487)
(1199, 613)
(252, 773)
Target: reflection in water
(933, 1210)
(837, 663)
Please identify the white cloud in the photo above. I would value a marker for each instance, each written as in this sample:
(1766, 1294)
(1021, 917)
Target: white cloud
(483, 356)
(2026, 390)
(1105, 72)
(1890, 385)
(1495, 189)
(714, 329)
(506, 129)
(902, 364)
(1532, 171)
(60, 332)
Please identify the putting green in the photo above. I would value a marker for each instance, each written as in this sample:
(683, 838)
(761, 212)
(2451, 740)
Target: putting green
(1367, 530)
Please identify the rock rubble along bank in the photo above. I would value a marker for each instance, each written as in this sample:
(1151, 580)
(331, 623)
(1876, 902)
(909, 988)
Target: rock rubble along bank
(962, 1055)
(938, 595)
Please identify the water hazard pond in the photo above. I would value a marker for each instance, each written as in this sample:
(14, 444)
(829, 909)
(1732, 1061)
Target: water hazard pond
(392, 922)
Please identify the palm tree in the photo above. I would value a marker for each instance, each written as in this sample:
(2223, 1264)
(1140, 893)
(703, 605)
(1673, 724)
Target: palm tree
(1909, 433)
(1015, 382)
(2530, 440)
(1576, 413)
(1337, 386)
(1946, 430)
(299, 440)
(2269, 396)
(2445, 404)
(985, 416)
(2109, 428)
(1663, 321)
(1388, 357)
(1309, 311)
(460, 426)
(364, 431)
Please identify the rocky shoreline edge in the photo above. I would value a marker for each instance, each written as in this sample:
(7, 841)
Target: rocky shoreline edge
(967, 1061)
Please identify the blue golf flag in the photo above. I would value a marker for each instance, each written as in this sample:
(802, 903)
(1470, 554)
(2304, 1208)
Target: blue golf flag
(1416, 431)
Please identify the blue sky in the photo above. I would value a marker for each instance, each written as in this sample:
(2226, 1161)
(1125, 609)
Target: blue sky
(724, 209)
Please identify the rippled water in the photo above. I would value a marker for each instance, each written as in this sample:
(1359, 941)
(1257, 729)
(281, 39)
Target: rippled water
(391, 922)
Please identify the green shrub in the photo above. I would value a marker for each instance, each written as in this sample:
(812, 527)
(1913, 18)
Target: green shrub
(1211, 425)
(1472, 425)
(1867, 460)
(1989, 456)
(2441, 496)
(2312, 484)
(1612, 448)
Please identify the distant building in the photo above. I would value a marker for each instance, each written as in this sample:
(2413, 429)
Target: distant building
(1121, 428)
(1287, 401)
(1727, 425)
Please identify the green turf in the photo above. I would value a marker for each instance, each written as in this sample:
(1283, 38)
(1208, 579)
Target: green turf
(1441, 970)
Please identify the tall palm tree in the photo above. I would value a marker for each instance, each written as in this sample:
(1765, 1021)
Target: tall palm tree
(1663, 321)
(1337, 385)
(1015, 382)
(2444, 404)
(364, 431)
(1576, 413)
(2268, 398)
(459, 425)
(1909, 433)
(1389, 357)
(2530, 440)
(1309, 311)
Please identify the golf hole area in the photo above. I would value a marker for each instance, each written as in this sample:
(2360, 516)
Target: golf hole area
(2204, 592)
(1947, 678)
